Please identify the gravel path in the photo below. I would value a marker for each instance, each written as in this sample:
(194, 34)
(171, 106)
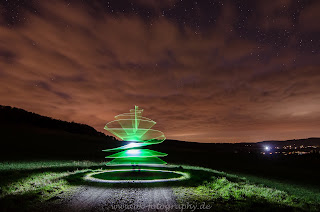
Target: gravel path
(87, 198)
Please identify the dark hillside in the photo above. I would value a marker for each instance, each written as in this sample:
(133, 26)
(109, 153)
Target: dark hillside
(26, 135)
(16, 116)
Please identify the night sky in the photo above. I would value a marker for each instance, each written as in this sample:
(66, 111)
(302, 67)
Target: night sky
(205, 71)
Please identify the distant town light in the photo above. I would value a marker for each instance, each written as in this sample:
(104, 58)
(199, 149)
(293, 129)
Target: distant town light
(267, 148)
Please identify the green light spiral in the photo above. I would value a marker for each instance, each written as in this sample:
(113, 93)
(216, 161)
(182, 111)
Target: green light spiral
(135, 128)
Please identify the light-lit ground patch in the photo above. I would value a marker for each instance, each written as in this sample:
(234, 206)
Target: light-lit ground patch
(31, 185)
(222, 194)
(136, 176)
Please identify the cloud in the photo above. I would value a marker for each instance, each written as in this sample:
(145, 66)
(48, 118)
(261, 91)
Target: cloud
(274, 15)
(157, 4)
(71, 65)
(309, 16)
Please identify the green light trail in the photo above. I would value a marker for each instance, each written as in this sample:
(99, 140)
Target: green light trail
(177, 176)
(137, 129)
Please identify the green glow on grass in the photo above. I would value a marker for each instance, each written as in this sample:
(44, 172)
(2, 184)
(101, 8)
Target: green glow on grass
(137, 129)
(175, 176)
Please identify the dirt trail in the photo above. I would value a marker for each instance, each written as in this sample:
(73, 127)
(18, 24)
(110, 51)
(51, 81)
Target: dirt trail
(88, 198)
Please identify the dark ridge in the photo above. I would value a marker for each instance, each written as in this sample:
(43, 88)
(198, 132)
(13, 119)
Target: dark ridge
(17, 116)
(26, 135)
(296, 142)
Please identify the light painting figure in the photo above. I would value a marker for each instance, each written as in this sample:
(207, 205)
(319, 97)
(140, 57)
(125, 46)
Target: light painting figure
(136, 129)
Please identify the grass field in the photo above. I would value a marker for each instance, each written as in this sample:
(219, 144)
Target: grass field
(30, 183)
(33, 183)
(308, 193)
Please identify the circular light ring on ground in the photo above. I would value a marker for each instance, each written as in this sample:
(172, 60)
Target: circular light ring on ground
(90, 176)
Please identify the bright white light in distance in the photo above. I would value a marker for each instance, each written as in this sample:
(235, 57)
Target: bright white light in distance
(267, 148)
(133, 151)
